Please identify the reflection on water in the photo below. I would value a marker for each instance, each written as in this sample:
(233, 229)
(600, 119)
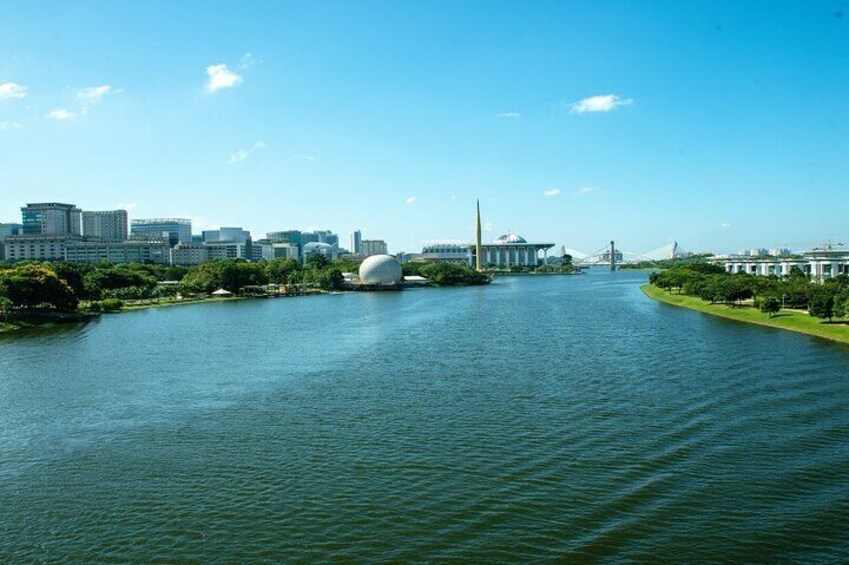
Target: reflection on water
(552, 418)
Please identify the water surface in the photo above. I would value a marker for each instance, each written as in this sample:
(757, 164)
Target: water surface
(541, 419)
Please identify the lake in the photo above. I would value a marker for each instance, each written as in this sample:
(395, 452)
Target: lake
(539, 419)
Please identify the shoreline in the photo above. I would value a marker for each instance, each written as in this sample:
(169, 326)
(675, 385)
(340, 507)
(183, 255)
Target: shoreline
(786, 319)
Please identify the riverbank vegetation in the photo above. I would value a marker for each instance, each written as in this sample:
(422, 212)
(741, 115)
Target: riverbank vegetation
(664, 264)
(785, 319)
(793, 302)
(41, 291)
(446, 274)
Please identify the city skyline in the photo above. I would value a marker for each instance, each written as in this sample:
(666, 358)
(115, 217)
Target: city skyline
(609, 121)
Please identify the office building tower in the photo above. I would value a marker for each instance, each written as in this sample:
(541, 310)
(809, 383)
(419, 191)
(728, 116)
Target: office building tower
(51, 218)
(108, 225)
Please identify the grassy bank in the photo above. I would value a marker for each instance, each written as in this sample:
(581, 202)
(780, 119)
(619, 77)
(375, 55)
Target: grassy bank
(793, 321)
(130, 305)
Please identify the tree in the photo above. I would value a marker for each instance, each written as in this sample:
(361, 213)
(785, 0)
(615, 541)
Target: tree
(822, 305)
(229, 274)
(34, 286)
(841, 304)
(770, 305)
(283, 271)
(115, 277)
(317, 261)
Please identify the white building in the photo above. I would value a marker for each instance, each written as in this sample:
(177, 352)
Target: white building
(117, 252)
(189, 254)
(272, 251)
(817, 264)
(441, 251)
(510, 250)
(37, 247)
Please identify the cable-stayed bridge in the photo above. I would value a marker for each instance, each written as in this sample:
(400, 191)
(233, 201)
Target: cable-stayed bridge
(612, 255)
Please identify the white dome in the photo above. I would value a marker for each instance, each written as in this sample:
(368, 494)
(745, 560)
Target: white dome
(510, 238)
(380, 269)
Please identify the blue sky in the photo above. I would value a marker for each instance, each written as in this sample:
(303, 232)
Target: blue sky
(720, 124)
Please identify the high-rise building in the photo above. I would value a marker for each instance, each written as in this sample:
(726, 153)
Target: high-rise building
(176, 230)
(51, 218)
(356, 242)
(7, 230)
(108, 225)
(374, 247)
(328, 237)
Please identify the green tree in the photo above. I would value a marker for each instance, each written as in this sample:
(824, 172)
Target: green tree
(317, 261)
(35, 286)
(770, 305)
(822, 305)
(283, 271)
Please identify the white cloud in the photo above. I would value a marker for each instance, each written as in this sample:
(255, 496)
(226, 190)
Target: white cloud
(221, 77)
(128, 207)
(601, 103)
(726, 224)
(487, 226)
(9, 125)
(585, 190)
(61, 114)
(247, 61)
(94, 94)
(243, 154)
(509, 115)
(552, 192)
(410, 200)
(303, 157)
(10, 90)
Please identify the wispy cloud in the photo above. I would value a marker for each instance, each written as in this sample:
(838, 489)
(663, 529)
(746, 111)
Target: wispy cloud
(247, 61)
(94, 94)
(600, 103)
(243, 154)
(9, 125)
(87, 97)
(303, 157)
(410, 200)
(487, 226)
(726, 224)
(10, 91)
(552, 192)
(585, 190)
(128, 207)
(221, 77)
(61, 114)
(509, 115)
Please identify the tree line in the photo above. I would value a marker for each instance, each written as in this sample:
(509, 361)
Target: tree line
(713, 284)
(62, 286)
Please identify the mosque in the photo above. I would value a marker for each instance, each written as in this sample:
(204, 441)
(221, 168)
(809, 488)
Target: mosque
(506, 251)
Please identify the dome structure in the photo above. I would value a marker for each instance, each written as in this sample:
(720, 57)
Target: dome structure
(380, 269)
(510, 238)
(317, 246)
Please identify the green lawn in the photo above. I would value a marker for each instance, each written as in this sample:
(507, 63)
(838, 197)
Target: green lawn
(144, 304)
(785, 320)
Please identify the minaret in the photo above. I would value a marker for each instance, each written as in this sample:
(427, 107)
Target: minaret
(478, 247)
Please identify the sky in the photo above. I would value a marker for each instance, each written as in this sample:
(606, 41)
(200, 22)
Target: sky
(722, 125)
